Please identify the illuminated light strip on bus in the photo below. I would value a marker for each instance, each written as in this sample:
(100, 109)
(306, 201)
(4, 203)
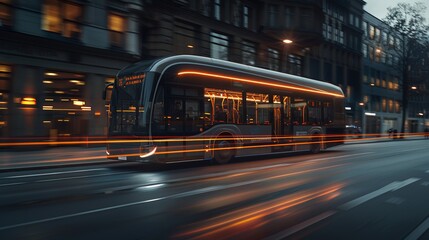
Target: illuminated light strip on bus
(259, 82)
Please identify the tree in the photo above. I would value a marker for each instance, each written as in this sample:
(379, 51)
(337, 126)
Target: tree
(407, 21)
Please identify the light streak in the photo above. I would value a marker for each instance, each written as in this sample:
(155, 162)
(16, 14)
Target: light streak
(259, 82)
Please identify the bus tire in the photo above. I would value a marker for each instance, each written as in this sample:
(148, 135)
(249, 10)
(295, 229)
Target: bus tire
(316, 145)
(225, 155)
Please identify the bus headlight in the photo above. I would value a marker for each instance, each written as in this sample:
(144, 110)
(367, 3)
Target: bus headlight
(150, 153)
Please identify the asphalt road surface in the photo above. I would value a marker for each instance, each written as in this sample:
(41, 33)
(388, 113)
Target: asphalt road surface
(354, 191)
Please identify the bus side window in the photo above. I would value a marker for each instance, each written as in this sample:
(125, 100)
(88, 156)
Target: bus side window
(158, 111)
(193, 117)
(299, 111)
(175, 116)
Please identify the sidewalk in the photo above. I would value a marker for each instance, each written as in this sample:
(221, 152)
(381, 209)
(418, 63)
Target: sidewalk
(14, 160)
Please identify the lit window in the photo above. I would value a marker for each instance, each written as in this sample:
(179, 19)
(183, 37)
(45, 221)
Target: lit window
(62, 17)
(116, 24)
(5, 12)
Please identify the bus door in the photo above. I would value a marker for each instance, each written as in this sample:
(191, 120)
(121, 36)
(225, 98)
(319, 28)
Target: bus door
(277, 126)
(194, 125)
(175, 143)
(299, 115)
(287, 126)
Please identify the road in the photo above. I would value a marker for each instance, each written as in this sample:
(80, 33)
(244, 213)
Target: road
(354, 191)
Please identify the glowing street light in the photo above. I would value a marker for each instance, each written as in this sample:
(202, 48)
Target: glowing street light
(287, 41)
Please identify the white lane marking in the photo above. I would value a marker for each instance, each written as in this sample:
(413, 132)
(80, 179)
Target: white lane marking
(290, 231)
(419, 231)
(388, 188)
(78, 214)
(11, 184)
(54, 173)
(329, 158)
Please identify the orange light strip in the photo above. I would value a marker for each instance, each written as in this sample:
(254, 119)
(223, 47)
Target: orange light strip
(259, 83)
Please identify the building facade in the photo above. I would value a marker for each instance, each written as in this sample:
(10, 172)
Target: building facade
(57, 55)
(381, 102)
(320, 39)
(418, 101)
(55, 58)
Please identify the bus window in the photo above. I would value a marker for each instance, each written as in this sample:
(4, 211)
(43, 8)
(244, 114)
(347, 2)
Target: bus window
(314, 112)
(299, 111)
(222, 106)
(159, 119)
(328, 112)
(193, 117)
(258, 109)
(175, 116)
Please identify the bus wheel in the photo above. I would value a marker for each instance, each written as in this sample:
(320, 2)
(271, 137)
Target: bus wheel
(226, 152)
(316, 146)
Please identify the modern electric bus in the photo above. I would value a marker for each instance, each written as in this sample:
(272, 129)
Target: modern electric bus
(190, 108)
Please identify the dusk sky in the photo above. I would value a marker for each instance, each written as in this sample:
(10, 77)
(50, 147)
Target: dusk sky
(379, 8)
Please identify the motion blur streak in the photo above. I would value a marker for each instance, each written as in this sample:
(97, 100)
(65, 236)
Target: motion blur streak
(254, 217)
(359, 137)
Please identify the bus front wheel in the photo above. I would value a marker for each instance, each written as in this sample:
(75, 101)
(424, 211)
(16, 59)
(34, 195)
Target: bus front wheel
(224, 151)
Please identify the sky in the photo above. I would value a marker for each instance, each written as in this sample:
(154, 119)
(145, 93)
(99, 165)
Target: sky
(378, 8)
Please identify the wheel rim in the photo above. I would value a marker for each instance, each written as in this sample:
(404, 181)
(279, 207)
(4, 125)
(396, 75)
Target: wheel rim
(224, 152)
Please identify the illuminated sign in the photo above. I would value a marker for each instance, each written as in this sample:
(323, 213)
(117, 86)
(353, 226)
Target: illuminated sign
(131, 80)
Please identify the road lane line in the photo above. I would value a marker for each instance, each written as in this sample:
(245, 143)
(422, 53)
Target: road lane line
(419, 231)
(54, 173)
(388, 188)
(329, 158)
(11, 184)
(290, 231)
(78, 214)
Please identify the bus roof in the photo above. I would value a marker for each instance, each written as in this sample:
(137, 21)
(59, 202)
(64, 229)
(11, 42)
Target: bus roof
(162, 64)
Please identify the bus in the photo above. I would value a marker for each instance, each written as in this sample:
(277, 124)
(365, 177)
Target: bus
(190, 108)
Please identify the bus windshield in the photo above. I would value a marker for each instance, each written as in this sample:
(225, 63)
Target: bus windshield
(125, 109)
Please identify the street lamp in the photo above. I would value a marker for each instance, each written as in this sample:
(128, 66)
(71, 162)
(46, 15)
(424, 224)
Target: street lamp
(287, 41)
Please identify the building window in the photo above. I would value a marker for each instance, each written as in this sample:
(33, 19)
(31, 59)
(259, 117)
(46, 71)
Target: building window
(5, 79)
(5, 13)
(371, 53)
(64, 105)
(218, 46)
(377, 34)
(365, 28)
(273, 59)
(116, 25)
(371, 32)
(384, 37)
(246, 16)
(217, 9)
(294, 64)
(62, 17)
(364, 50)
(272, 15)
(249, 53)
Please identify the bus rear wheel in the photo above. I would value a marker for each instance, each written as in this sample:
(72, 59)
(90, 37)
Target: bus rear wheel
(224, 151)
(316, 145)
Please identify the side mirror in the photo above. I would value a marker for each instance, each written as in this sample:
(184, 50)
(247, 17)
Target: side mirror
(105, 90)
